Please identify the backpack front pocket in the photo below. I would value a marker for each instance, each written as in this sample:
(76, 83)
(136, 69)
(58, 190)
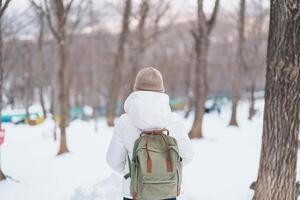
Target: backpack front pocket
(159, 187)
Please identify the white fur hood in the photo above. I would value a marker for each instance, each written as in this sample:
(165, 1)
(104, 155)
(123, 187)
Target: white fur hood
(148, 110)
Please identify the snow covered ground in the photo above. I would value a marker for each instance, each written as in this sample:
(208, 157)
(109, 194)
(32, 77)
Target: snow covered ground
(225, 164)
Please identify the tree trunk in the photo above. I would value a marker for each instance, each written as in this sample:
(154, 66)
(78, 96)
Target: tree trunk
(204, 28)
(40, 14)
(188, 88)
(95, 116)
(201, 84)
(2, 176)
(28, 85)
(42, 101)
(52, 111)
(190, 107)
(278, 159)
(64, 89)
(252, 110)
(240, 62)
(118, 70)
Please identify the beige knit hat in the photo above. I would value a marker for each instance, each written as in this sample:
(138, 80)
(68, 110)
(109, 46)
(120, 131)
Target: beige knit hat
(149, 79)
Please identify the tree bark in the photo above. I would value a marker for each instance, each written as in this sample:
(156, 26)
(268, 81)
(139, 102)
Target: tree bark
(204, 28)
(278, 158)
(118, 67)
(240, 62)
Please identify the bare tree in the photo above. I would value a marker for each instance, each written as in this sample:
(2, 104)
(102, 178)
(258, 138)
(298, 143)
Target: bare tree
(139, 49)
(118, 65)
(142, 38)
(240, 62)
(40, 14)
(278, 159)
(3, 7)
(201, 36)
(27, 59)
(94, 68)
(59, 11)
(255, 56)
(189, 64)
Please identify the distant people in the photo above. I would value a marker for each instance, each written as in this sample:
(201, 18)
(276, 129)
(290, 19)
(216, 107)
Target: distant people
(212, 108)
(147, 122)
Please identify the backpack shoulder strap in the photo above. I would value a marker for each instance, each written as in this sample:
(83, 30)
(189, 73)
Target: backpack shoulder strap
(136, 144)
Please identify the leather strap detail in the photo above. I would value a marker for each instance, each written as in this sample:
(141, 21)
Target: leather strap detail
(149, 161)
(134, 195)
(149, 166)
(155, 132)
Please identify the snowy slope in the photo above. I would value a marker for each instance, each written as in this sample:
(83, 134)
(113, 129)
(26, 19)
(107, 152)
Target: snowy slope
(226, 162)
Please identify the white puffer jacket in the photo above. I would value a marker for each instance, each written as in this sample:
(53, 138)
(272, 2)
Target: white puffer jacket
(144, 110)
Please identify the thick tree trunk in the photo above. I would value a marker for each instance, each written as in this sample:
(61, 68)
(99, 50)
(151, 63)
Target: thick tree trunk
(64, 89)
(278, 159)
(204, 28)
(240, 62)
(200, 83)
(201, 78)
(201, 95)
(2, 176)
(118, 70)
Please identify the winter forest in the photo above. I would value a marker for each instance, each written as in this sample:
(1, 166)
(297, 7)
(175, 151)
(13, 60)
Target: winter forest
(231, 69)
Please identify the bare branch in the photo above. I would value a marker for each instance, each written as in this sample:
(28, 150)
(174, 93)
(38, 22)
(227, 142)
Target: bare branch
(79, 12)
(212, 20)
(4, 7)
(78, 16)
(50, 23)
(36, 6)
(68, 7)
(162, 12)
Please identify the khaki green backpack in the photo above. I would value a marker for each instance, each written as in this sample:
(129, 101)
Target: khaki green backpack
(156, 167)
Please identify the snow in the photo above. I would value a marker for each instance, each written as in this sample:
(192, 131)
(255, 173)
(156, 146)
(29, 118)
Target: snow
(225, 164)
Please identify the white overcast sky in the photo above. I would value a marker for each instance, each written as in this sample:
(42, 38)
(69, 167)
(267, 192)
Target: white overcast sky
(186, 8)
(185, 4)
